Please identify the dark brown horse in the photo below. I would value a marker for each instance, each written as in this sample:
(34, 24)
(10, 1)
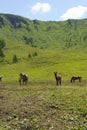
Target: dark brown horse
(23, 78)
(58, 78)
(79, 78)
(0, 78)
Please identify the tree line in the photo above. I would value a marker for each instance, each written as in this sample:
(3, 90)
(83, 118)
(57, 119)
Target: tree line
(2, 45)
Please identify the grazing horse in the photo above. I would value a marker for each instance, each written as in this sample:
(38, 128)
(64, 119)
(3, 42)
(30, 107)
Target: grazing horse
(58, 78)
(0, 78)
(23, 79)
(76, 78)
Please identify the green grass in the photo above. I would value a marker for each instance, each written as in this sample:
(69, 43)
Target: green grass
(41, 105)
(41, 67)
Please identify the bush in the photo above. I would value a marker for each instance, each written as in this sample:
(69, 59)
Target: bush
(1, 53)
(29, 55)
(15, 59)
(35, 54)
(2, 44)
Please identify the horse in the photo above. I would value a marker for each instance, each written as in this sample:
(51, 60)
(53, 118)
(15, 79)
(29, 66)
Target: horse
(58, 78)
(76, 78)
(0, 78)
(23, 78)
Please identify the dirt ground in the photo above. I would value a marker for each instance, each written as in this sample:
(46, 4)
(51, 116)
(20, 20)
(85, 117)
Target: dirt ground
(29, 108)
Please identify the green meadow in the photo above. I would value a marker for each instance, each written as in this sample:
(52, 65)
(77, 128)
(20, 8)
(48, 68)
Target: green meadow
(41, 67)
(41, 105)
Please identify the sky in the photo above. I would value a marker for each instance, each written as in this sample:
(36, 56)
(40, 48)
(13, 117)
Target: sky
(46, 10)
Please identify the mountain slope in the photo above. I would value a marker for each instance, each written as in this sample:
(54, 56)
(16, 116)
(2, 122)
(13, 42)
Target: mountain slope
(66, 34)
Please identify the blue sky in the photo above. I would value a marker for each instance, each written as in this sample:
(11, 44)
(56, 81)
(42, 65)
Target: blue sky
(46, 10)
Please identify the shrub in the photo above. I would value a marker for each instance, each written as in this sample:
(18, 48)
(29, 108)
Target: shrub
(29, 55)
(15, 59)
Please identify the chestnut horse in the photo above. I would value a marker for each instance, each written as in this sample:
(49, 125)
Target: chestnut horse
(23, 78)
(58, 78)
(76, 78)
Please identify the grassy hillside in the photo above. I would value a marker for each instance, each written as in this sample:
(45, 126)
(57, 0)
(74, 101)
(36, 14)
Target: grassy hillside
(41, 67)
(63, 44)
(51, 34)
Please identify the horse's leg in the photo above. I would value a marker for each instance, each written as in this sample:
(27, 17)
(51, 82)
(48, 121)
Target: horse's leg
(56, 82)
(26, 81)
(23, 82)
(71, 80)
(80, 80)
(60, 81)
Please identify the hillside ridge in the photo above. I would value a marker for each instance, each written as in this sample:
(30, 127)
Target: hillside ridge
(51, 34)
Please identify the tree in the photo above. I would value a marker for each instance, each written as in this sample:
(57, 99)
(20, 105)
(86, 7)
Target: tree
(15, 59)
(35, 54)
(29, 55)
(2, 45)
(28, 40)
(1, 53)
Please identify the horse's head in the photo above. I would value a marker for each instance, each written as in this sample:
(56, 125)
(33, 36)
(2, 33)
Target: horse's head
(55, 73)
(21, 74)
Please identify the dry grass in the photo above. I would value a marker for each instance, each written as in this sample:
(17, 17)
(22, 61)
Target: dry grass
(42, 107)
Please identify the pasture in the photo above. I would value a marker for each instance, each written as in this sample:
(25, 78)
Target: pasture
(41, 105)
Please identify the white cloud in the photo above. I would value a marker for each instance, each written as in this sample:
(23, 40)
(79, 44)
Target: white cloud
(41, 7)
(74, 13)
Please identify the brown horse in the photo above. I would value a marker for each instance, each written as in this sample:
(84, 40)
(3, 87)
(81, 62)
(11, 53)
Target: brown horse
(76, 78)
(23, 78)
(0, 78)
(58, 78)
